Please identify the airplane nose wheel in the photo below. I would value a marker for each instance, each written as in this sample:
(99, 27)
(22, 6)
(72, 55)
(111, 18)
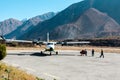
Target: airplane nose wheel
(56, 52)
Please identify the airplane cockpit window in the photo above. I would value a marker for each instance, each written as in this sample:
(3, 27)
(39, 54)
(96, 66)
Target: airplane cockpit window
(49, 43)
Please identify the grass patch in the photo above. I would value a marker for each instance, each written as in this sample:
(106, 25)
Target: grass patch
(12, 73)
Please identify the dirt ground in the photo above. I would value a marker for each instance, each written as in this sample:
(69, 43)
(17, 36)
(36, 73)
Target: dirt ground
(67, 65)
(79, 48)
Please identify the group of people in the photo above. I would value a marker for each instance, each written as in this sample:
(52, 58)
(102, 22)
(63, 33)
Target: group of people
(84, 52)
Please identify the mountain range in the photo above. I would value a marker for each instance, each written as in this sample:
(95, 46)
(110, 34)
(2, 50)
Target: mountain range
(9, 25)
(28, 25)
(85, 19)
(90, 24)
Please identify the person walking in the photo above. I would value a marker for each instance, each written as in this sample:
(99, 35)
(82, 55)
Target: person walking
(102, 54)
(92, 52)
(85, 52)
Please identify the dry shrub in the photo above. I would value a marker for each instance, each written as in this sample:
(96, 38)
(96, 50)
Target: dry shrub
(2, 51)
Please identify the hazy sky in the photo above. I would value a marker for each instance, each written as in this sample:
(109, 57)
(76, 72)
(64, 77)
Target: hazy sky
(20, 9)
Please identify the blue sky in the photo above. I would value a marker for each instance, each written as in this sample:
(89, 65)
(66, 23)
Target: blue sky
(20, 9)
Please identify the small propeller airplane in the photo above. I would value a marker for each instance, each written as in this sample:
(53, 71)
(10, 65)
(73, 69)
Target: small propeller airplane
(50, 46)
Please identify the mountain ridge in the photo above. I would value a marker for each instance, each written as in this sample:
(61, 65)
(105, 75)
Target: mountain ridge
(85, 19)
(79, 28)
(9, 25)
(69, 17)
(28, 25)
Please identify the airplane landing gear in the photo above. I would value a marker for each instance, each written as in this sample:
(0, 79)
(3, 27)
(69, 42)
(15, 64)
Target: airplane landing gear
(56, 52)
(41, 52)
(50, 53)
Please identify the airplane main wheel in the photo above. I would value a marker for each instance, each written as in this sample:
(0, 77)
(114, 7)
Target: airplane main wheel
(41, 52)
(50, 53)
(57, 53)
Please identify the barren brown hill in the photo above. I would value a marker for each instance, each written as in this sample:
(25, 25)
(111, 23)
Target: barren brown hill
(90, 24)
(9, 25)
(29, 24)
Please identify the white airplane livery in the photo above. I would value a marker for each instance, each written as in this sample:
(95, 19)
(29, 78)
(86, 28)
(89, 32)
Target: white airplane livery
(50, 46)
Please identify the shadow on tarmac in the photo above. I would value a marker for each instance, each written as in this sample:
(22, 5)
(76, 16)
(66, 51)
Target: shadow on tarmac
(30, 54)
(39, 54)
(46, 54)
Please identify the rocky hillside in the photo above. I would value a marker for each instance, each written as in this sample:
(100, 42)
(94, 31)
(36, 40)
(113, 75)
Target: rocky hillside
(86, 19)
(90, 24)
(109, 7)
(29, 24)
(70, 14)
(9, 25)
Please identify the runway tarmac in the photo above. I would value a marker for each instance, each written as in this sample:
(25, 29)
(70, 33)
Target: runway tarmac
(67, 65)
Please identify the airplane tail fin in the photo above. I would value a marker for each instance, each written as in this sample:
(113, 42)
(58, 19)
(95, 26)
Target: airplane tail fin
(47, 37)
